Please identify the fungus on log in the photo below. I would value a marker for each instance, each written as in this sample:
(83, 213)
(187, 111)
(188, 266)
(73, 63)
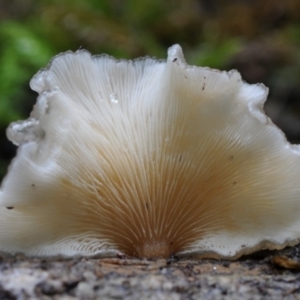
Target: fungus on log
(149, 158)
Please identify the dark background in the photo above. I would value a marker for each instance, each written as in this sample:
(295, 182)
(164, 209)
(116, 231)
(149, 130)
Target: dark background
(259, 38)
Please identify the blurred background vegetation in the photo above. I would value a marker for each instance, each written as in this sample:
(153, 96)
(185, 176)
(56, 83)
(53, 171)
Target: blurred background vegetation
(259, 38)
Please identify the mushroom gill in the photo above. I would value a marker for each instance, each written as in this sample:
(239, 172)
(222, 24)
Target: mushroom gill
(149, 158)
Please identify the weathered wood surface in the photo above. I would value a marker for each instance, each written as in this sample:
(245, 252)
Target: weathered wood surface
(254, 277)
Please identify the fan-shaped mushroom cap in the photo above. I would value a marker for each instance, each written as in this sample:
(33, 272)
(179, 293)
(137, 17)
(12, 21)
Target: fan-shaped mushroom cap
(150, 158)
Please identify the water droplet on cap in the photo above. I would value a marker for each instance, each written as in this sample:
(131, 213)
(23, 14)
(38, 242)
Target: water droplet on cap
(113, 98)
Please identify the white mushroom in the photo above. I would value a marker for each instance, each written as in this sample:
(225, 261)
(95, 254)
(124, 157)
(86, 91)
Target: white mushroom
(150, 158)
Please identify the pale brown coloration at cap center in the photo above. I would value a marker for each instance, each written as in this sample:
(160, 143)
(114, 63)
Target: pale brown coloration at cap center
(163, 202)
(149, 158)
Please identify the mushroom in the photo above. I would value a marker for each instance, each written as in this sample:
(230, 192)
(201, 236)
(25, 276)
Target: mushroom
(148, 158)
